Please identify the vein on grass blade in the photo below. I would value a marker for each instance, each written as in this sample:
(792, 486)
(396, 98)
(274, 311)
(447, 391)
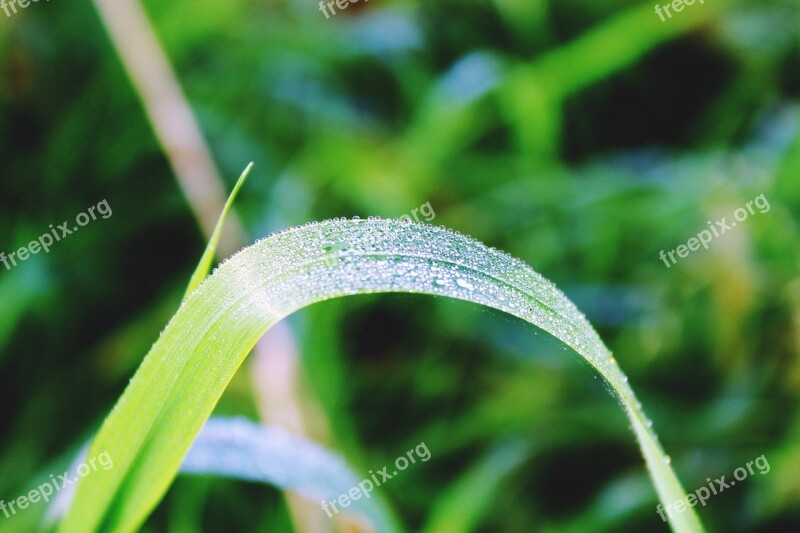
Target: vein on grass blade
(175, 389)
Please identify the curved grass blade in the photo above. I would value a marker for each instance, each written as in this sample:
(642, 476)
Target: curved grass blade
(240, 449)
(174, 391)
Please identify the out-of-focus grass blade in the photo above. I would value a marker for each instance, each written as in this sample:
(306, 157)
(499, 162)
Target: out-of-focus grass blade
(460, 509)
(204, 266)
(181, 379)
(240, 449)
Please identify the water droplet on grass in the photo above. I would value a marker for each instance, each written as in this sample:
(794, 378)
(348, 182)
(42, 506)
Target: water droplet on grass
(464, 284)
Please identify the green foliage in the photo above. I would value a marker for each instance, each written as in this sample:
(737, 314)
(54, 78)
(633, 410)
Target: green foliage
(186, 372)
(583, 136)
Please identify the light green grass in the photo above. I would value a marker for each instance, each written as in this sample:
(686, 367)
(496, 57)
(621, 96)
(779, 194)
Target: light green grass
(178, 384)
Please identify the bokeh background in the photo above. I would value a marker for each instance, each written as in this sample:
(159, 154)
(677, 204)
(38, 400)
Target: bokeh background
(581, 136)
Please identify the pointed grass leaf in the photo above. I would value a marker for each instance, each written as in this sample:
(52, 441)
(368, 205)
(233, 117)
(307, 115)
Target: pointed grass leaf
(207, 259)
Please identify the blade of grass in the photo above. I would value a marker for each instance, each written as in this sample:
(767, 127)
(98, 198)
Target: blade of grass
(463, 505)
(240, 449)
(174, 391)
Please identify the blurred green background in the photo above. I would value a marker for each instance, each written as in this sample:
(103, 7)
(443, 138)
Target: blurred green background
(583, 137)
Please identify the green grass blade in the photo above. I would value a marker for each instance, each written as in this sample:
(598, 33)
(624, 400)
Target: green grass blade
(204, 266)
(460, 509)
(178, 384)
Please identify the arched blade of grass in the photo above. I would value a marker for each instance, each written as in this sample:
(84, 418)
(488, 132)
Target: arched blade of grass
(181, 379)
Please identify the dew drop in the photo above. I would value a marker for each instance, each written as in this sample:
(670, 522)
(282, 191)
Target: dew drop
(464, 284)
